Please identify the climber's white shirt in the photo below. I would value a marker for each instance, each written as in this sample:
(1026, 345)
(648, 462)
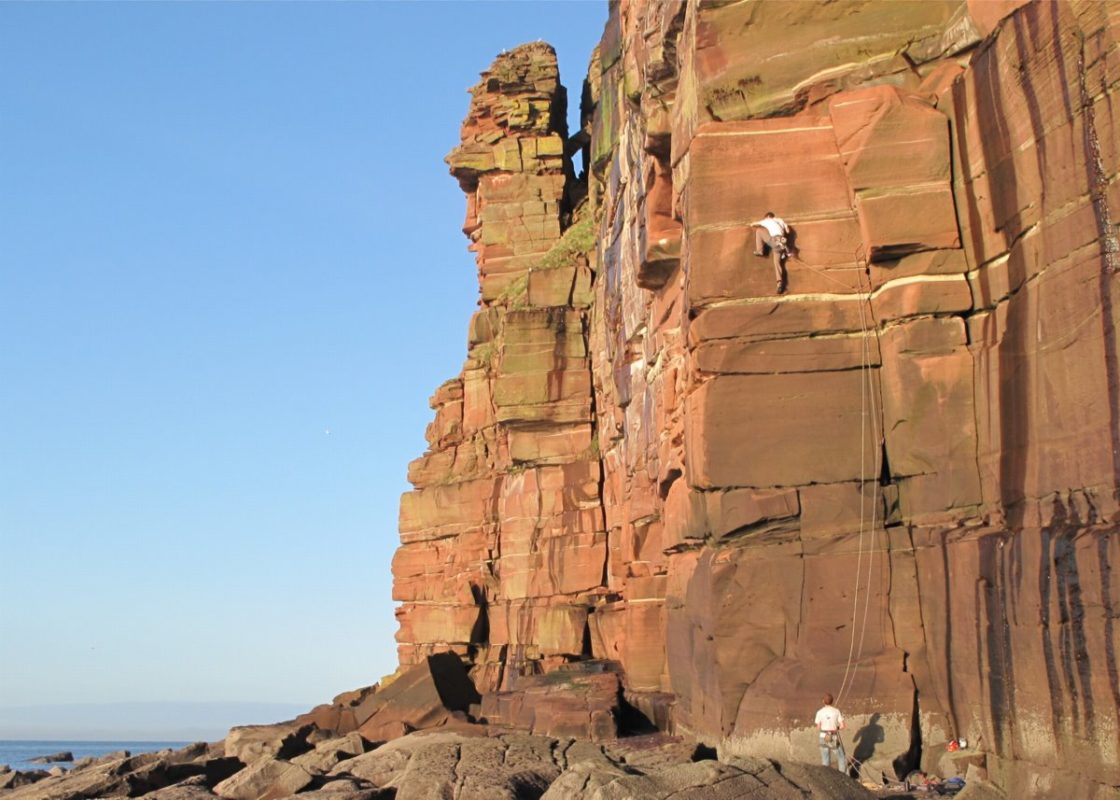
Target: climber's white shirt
(775, 226)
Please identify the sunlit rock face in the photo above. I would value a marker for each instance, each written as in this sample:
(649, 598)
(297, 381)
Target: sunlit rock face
(895, 482)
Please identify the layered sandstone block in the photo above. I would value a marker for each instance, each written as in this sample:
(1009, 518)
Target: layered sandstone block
(503, 542)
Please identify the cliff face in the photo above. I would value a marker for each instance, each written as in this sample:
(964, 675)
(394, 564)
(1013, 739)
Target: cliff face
(896, 482)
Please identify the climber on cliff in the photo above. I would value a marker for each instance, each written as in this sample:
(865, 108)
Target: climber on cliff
(829, 723)
(771, 231)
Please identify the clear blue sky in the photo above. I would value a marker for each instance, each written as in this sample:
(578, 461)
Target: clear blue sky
(225, 229)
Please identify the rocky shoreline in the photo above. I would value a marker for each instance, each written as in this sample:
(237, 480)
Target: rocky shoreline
(464, 761)
(420, 737)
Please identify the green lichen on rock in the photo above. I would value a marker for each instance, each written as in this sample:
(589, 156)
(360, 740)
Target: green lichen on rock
(577, 241)
(516, 295)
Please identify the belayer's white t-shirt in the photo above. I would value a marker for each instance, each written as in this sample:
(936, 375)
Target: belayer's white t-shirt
(829, 718)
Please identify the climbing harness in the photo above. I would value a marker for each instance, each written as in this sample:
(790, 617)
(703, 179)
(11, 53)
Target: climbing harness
(780, 245)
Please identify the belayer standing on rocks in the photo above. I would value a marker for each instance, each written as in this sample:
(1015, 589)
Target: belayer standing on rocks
(829, 723)
(771, 231)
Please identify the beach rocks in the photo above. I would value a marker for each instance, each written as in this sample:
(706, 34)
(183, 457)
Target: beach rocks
(63, 756)
(437, 765)
(579, 700)
(472, 762)
(251, 743)
(13, 779)
(429, 694)
(328, 753)
(265, 779)
(194, 769)
(740, 778)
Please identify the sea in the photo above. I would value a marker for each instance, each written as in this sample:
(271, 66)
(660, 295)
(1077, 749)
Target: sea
(17, 753)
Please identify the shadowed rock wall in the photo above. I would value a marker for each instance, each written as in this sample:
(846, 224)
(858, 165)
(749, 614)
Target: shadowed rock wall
(897, 482)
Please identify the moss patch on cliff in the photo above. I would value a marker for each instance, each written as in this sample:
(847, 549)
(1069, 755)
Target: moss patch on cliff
(577, 241)
(516, 295)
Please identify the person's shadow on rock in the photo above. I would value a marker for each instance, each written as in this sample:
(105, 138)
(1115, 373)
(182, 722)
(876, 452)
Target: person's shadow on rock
(867, 737)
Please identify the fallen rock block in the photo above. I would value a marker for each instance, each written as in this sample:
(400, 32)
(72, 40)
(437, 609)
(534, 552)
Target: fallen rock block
(15, 779)
(328, 753)
(194, 788)
(251, 743)
(651, 751)
(583, 779)
(265, 780)
(160, 774)
(192, 752)
(347, 788)
(424, 696)
(98, 780)
(468, 767)
(579, 701)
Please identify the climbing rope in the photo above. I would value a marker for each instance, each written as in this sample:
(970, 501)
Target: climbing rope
(876, 434)
(867, 399)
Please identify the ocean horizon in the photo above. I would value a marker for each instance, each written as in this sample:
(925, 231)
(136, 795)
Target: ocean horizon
(138, 721)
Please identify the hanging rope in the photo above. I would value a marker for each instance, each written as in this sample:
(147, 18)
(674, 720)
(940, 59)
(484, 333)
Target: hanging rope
(867, 401)
(876, 433)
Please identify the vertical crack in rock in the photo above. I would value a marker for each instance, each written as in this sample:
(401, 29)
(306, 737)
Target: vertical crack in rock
(1110, 615)
(1110, 251)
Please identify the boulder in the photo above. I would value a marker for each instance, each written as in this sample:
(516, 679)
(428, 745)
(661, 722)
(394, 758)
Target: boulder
(423, 696)
(345, 789)
(438, 765)
(265, 779)
(13, 779)
(98, 780)
(62, 756)
(329, 752)
(251, 743)
(195, 788)
(579, 700)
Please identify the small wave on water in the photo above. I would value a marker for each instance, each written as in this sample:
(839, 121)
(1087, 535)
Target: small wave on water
(17, 753)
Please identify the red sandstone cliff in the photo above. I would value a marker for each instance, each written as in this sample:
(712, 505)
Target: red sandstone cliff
(897, 482)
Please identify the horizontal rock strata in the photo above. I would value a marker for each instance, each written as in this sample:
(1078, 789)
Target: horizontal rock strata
(896, 482)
